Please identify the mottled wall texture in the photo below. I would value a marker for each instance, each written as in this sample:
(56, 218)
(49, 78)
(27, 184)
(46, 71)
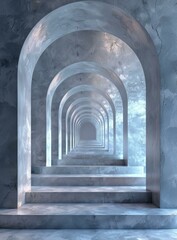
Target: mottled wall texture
(18, 17)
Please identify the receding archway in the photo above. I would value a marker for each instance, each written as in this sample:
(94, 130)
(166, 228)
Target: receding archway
(70, 93)
(88, 114)
(74, 69)
(87, 131)
(107, 51)
(104, 18)
(70, 112)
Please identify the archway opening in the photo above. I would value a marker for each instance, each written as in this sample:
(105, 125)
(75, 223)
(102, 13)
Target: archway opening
(57, 25)
(87, 132)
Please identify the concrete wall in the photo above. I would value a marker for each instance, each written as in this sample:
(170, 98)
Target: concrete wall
(18, 17)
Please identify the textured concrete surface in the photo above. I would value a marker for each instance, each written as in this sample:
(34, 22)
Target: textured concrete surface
(88, 234)
(89, 216)
(88, 195)
(159, 19)
(80, 169)
(95, 161)
(88, 180)
(89, 189)
(57, 25)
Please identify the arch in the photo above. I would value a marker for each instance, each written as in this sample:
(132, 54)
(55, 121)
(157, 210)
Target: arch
(86, 146)
(69, 113)
(85, 67)
(68, 95)
(106, 18)
(83, 110)
(110, 52)
(84, 107)
(110, 105)
(93, 118)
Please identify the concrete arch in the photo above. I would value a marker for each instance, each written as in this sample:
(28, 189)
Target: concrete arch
(124, 63)
(97, 94)
(85, 67)
(88, 144)
(70, 110)
(74, 91)
(106, 18)
(101, 134)
(83, 109)
(89, 116)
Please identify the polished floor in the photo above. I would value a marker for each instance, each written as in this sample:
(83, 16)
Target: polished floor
(88, 234)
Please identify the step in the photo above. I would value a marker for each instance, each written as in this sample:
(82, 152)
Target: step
(88, 216)
(91, 155)
(88, 180)
(80, 146)
(91, 234)
(80, 169)
(88, 195)
(91, 161)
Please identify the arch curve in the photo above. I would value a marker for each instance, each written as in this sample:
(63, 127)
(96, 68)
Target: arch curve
(106, 18)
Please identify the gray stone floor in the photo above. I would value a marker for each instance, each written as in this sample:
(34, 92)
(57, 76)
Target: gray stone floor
(88, 234)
